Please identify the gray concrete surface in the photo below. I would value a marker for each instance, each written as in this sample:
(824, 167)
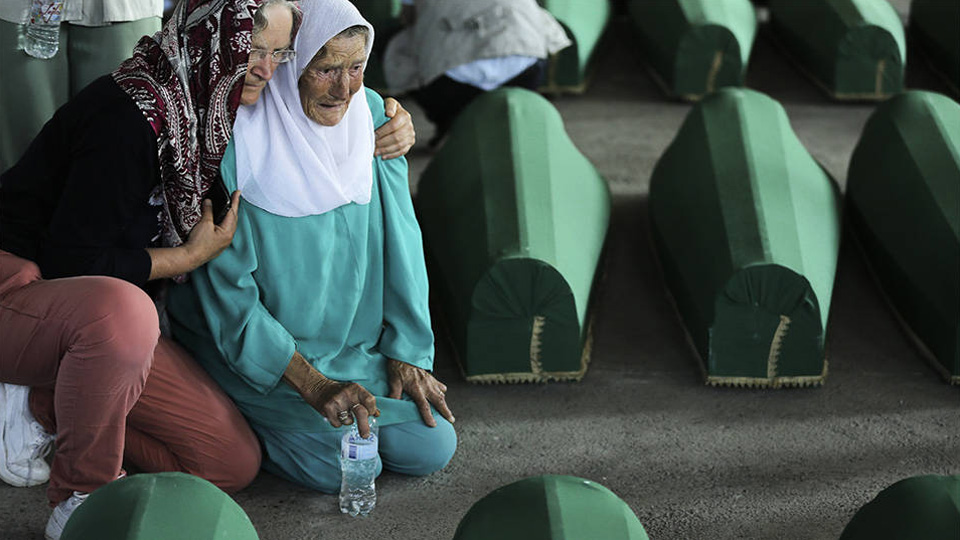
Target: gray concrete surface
(693, 462)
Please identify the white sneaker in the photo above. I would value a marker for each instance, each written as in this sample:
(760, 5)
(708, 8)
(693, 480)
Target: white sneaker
(61, 514)
(23, 442)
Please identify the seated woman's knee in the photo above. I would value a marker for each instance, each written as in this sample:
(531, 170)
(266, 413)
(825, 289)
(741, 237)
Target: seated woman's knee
(235, 468)
(422, 451)
(122, 323)
(443, 444)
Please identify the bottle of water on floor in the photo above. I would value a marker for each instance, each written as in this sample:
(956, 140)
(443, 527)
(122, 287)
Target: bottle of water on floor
(41, 35)
(358, 464)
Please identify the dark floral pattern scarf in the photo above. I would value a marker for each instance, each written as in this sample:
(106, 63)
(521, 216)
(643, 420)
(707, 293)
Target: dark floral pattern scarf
(187, 80)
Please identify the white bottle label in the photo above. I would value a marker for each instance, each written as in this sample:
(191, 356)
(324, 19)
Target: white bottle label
(357, 452)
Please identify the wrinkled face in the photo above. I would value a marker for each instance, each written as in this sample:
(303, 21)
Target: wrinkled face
(275, 37)
(329, 82)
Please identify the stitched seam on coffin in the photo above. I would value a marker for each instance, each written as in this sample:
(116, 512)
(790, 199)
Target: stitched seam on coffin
(878, 83)
(714, 69)
(774, 357)
(536, 346)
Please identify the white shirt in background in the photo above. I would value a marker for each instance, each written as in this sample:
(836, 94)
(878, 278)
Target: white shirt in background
(87, 12)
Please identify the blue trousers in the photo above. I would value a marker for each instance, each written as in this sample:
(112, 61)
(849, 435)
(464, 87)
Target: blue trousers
(312, 459)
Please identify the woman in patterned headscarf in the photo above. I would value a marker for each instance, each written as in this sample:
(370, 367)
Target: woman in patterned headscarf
(118, 191)
(109, 191)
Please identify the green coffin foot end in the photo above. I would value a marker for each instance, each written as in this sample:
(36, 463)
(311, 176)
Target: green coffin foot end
(694, 47)
(766, 331)
(852, 49)
(746, 228)
(523, 327)
(514, 221)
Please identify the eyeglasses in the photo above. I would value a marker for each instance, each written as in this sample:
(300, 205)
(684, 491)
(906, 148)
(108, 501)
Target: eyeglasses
(277, 57)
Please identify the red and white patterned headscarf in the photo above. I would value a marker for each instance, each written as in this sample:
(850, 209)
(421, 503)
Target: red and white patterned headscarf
(187, 80)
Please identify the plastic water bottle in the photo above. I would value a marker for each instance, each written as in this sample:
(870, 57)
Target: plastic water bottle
(41, 37)
(358, 464)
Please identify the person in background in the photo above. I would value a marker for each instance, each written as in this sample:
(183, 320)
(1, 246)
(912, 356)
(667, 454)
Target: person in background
(113, 196)
(95, 36)
(454, 50)
(317, 314)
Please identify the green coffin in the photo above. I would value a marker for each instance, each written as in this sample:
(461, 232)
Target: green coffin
(159, 506)
(853, 49)
(935, 27)
(514, 220)
(918, 508)
(903, 198)
(384, 15)
(695, 46)
(747, 228)
(551, 508)
(584, 22)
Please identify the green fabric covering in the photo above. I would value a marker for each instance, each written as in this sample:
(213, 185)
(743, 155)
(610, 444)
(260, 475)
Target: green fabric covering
(935, 27)
(550, 508)
(31, 89)
(921, 507)
(747, 228)
(903, 198)
(696, 46)
(584, 23)
(853, 49)
(384, 15)
(514, 219)
(159, 506)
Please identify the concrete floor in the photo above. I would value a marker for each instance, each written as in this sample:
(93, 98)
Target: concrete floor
(693, 462)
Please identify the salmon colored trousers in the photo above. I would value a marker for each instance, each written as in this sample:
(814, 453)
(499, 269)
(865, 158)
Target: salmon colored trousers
(112, 389)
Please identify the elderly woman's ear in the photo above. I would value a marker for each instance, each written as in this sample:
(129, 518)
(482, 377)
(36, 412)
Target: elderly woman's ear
(396, 137)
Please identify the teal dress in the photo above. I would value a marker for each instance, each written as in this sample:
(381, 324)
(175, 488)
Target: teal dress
(347, 289)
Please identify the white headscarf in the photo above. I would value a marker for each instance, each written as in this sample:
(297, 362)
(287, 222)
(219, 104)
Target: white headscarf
(290, 165)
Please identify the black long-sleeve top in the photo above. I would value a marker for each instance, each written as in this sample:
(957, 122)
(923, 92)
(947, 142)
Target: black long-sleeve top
(77, 203)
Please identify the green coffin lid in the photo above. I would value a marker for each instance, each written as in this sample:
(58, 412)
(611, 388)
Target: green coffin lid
(903, 198)
(695, 46)
(853, 49)
(935, 27)
(514, 219)
(584, 22)
(384, 15)
(918, 508)
(550, 508)
(747, 228)
(160, 506)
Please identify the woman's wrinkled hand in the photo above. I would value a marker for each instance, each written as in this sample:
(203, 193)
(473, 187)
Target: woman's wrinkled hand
(332, 398)
(338, 402)
(208, 239)
(396, 137)
(422, 387)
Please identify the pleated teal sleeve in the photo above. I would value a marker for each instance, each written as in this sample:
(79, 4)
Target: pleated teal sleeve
(407, 335)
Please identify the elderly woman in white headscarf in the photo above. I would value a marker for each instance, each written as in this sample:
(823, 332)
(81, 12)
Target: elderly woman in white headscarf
(316, 316)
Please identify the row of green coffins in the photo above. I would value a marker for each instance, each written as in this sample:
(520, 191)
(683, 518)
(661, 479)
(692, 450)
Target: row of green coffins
(549, 507)
(568, 508)
(745, 223)
(568, 70)
(852, 49)
(747, 229)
